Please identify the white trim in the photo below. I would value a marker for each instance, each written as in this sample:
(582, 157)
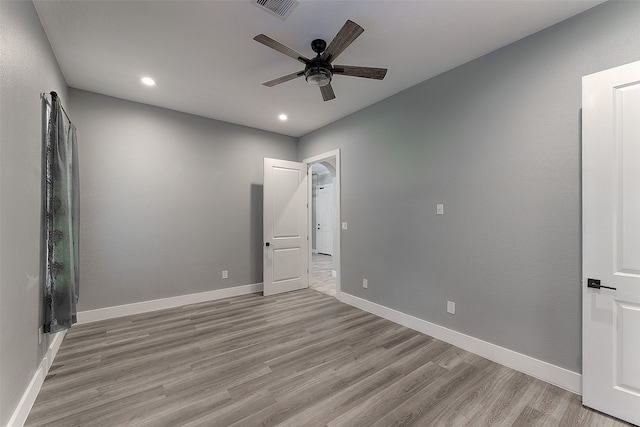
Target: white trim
(21, 412)
(337, 214)
(161, 304)
(544, 371)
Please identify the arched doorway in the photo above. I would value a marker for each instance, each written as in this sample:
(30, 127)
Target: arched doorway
(324, 223)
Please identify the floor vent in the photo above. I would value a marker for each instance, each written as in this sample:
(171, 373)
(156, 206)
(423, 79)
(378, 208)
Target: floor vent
(280, 8)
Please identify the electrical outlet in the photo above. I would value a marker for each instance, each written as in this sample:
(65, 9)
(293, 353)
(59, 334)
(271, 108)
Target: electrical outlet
(365, 283)
(439, 209)
(225, 274)
(451, 307)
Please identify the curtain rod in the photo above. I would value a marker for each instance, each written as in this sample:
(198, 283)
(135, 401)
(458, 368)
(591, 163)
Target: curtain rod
(55, 95)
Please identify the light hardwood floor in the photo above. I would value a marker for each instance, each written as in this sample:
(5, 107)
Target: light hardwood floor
(298, 359)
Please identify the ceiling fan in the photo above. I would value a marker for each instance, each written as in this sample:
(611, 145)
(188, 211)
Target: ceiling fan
(319, 71)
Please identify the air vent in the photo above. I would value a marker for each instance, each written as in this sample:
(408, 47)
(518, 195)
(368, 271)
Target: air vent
(279, 8)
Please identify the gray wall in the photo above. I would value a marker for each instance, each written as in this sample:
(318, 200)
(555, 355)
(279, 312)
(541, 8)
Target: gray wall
(27, 68)
(168, 200)
(497, 141)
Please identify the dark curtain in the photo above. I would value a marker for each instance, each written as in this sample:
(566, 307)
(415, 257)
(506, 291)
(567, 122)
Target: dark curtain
(61, 218)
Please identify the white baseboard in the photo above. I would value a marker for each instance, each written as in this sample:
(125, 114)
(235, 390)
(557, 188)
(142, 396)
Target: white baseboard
(29, 397)
(161, 304)
(544, 371)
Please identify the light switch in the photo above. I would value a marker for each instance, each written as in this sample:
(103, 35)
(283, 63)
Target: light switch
(439, 209)
(344, 225)
(451, 307)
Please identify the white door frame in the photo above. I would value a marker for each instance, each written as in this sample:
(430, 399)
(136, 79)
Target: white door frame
(333, 154)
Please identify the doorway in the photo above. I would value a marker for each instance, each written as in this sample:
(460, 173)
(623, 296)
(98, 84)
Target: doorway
(324, 223)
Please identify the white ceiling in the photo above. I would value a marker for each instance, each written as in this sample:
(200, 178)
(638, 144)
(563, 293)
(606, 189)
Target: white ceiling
(205, 61)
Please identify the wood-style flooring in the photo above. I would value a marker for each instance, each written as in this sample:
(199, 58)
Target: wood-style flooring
(322, 279)
(297, 359)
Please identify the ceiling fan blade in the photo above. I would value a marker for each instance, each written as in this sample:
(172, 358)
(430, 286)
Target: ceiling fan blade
(327, 92)
(268, 41)
(347, 34)
(283, 79)
(366, 72)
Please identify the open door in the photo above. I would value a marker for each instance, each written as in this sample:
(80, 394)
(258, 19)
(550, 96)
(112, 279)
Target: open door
(324, 218)
(285, 226)
(611, 241)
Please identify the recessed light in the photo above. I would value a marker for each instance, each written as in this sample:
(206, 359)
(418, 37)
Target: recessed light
(283, 117)
(148, 81)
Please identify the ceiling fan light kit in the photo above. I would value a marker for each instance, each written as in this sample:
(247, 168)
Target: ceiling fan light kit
(319, 71)
(318, 75)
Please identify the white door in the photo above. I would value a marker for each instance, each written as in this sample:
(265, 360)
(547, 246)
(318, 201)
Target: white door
(285, 226)
(611, 241)
(324, 218)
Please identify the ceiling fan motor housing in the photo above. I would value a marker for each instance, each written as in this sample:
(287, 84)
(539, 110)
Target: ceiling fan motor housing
(318, 46)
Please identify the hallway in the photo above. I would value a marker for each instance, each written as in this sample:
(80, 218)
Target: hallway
(321, 278)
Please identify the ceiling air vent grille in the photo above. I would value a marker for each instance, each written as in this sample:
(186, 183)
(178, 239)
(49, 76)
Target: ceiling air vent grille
(280, 8)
